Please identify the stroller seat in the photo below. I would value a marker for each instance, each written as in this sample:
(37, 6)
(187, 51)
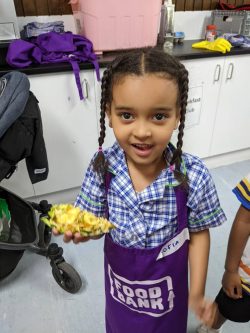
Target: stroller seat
(22, 232)
(25, 230)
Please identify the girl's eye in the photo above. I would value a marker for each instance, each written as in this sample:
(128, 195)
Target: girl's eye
(126, 116)
(160, 116)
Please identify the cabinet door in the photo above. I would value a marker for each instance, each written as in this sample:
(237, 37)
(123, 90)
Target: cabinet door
(70, 128)
(204, 85)
(231, 130)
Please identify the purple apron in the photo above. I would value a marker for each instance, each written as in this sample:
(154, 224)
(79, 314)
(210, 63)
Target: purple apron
(147, 289)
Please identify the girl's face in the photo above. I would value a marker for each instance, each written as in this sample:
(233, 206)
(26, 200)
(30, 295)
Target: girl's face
(143, 115)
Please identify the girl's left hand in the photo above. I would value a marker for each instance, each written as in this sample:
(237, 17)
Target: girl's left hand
(204, 309)
(76, 238)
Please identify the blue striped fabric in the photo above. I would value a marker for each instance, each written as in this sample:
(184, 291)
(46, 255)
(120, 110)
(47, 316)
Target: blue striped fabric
(242, 191)
(148, 218)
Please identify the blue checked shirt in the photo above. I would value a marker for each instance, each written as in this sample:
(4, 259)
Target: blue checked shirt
(148, 218)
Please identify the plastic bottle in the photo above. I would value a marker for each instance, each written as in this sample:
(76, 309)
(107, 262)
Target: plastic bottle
(167, 21)
(169, 17)
(162, 33)
(210, 32)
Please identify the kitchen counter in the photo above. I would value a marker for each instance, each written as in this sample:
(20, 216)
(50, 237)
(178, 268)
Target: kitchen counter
(182, 51)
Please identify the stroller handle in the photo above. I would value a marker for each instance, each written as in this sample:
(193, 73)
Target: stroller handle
(43, 206)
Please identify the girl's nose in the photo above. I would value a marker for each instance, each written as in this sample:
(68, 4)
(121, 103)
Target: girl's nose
(141, 130)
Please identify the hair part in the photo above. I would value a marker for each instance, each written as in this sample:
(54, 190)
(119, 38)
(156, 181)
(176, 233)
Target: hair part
(140, 62)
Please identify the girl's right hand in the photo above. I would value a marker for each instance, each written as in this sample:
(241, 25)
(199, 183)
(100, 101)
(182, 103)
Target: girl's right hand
(76, 238)
(204, 309)
(231, 284)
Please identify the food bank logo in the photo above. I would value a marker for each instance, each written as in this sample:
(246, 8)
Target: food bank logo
(153, 297)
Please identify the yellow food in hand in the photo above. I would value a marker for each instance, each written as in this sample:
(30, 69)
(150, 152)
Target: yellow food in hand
(66, 217)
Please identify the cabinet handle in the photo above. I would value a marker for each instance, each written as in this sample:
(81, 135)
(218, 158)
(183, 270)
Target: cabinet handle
(230, 71)
(217, 73)
(85, 88)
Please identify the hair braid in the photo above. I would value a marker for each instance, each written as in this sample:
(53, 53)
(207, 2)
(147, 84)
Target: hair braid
(100, 164)
(183, 93)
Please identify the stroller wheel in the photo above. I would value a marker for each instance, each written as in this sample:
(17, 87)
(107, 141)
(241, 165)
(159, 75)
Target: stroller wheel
(67, 277)
(44, 233)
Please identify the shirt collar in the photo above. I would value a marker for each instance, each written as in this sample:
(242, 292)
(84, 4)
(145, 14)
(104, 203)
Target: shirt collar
(122, 181)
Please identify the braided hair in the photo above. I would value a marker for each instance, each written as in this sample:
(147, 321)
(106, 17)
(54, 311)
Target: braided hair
(140, 62)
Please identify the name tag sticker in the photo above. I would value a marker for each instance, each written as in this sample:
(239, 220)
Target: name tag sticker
(174, 244)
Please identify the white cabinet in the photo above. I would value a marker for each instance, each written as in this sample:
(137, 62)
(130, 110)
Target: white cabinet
(70, 133)
(225, 109)
(231, 128)
(70, 128)
(217, 121)
(204, 85)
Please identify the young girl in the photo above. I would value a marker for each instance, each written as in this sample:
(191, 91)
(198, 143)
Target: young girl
(160, 200)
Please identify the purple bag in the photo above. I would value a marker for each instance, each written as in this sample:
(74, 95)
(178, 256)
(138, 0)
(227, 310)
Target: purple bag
(53, 47)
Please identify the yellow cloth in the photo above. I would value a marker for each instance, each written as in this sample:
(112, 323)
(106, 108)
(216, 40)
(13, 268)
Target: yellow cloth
(220, 45)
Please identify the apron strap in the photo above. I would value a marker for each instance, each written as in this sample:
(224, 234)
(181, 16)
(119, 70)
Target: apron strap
(108, 177)
(182, 209)
(76, 71)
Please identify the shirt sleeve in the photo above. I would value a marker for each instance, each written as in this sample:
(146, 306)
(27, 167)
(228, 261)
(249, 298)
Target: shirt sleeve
(203, 202)
(92, 194)
(242, 191)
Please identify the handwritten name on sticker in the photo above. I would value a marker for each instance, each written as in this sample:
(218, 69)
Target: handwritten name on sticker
(174, 244)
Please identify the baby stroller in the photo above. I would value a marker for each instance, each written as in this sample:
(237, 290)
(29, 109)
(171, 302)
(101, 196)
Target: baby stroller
(21, 227)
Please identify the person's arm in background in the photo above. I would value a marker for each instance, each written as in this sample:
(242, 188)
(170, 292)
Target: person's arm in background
(198, 264)
(239, 235)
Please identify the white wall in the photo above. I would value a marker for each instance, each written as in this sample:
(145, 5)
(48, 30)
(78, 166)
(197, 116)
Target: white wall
(193, 24)
(7, 8)
(8, 20)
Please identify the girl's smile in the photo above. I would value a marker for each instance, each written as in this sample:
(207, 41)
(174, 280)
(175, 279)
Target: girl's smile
(142, 150)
